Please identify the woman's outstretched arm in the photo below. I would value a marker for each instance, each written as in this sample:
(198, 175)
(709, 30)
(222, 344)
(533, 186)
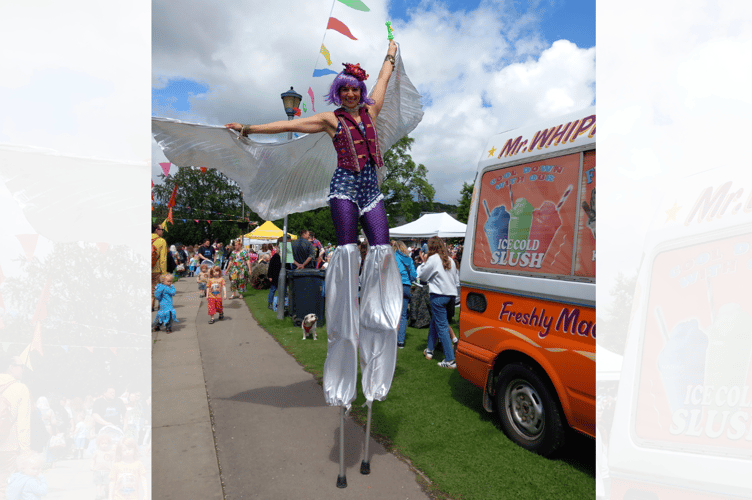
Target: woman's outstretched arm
(379, 90)
(321, 122)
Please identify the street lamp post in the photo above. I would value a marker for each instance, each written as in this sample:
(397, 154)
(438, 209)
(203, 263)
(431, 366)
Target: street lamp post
(290, 100)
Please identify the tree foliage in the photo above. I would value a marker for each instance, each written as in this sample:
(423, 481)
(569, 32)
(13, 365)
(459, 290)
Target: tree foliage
(466, 195)
(206, 196)
(406, 190)
(91, 319)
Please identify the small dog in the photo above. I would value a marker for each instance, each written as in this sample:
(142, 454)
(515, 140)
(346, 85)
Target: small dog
(309, 325)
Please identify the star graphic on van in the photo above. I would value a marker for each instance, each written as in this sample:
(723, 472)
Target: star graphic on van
(672, 212)
(491, 151)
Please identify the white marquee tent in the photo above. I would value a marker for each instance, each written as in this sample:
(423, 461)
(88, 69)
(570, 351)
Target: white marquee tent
(442, 225)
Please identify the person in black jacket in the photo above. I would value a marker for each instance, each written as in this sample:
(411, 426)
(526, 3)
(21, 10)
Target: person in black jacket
(275, 265)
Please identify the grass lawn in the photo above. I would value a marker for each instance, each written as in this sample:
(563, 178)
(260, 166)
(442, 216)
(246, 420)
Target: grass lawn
(434, 418)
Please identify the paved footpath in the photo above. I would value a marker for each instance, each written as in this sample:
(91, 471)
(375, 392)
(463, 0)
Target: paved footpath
(235, 416)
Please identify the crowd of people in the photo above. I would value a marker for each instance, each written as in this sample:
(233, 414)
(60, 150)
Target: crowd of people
(429, 276)
(111, 431)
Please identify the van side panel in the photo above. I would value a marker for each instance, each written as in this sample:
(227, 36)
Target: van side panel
(559, 337)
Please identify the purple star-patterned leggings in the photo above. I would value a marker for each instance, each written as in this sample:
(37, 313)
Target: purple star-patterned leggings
(345, 218)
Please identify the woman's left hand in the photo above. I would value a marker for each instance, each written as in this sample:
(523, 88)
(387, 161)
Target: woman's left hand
(392, 48)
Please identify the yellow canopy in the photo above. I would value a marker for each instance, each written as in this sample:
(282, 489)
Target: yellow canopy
(267, 231)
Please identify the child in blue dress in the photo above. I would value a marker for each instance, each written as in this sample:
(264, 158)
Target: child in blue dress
(164, 292)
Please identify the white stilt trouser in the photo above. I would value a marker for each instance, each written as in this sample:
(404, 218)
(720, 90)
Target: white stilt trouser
(371, 323)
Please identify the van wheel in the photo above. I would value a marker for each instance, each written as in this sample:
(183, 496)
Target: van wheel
(528, 410)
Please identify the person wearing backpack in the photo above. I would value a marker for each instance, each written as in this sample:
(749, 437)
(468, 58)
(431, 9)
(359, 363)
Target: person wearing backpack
(158, 257)
(15, 418)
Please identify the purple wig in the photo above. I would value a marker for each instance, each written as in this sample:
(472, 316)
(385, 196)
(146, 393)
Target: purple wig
(341, 80)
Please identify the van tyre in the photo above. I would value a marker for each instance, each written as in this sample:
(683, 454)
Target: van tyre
(529, 410)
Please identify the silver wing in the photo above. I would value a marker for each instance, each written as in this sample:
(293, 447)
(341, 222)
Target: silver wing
(290, 176)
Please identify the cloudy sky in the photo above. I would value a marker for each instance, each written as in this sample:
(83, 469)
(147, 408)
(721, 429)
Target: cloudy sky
(482, 67)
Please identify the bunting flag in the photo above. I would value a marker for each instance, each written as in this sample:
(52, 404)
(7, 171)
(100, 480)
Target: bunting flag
(165, 168)
(88, 348)
(172, 198)
(203, 170)
(103, 246)
(325, 53)
(338, 26)
(41, 312)
(36, 340)
(164, 225)
(169, 216)
(310, 93)
(29, 244)
(152, 193)
(25, 358)
(322, 72)
(356, 4)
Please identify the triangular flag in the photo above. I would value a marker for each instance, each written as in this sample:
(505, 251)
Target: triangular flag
(41, 313)
(26, 358)
(325, 53)
(65, 348)
(114, 350)
(103, 246)
(203, 170)
(323, 72)
(29, 243)
(196, 220)
(313, 104)
(90, 349)
(337, 25)
(356, 4)
(164, 225)
(169, 216)
(36, 341)
(171, 203)
(165, 168)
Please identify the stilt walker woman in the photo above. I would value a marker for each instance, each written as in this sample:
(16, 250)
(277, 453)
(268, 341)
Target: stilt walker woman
(370, 322)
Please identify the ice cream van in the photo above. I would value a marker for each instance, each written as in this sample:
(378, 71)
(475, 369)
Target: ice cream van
(527, 320)
(682, 426)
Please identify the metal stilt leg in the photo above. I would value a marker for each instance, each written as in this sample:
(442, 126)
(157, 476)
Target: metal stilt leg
(365, 465)
(341, 479)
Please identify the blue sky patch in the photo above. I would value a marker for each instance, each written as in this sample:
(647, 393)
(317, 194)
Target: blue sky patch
(176, 94)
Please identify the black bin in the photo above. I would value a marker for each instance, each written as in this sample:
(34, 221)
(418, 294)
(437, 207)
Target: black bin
(306, 294)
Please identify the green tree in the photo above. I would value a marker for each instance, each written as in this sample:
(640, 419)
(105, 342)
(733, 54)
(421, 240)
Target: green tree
(406, 190)
(318, 220)
(206, 196)
(466, 195)
(88, 307)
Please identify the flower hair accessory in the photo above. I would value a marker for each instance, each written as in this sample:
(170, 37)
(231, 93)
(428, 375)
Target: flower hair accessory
(356, 71)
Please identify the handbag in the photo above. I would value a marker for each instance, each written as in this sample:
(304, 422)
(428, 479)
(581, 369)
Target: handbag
(180, 268)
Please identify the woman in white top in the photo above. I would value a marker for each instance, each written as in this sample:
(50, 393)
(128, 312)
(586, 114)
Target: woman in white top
(439, 271)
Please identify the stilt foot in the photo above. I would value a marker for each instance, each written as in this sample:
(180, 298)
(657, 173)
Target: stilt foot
(341, 482)
(365, 467)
